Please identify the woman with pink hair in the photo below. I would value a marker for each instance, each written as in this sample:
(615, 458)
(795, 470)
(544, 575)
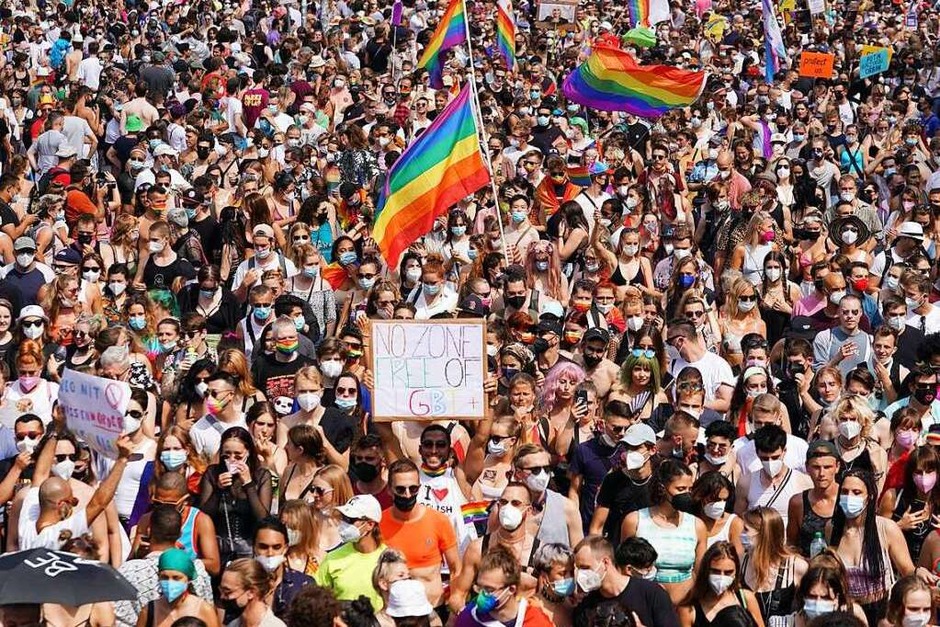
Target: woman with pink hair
(558, 404)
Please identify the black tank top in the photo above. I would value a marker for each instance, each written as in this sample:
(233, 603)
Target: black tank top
(812, 523)
(915, 536)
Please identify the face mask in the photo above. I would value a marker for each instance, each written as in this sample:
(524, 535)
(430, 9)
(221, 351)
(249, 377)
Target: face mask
(847, 196)
(510, 517)
(836, 297)
(851, 505)
(173, 459)
(23, 260)
(635, 460)
(299, 323)
(538, 482)
(365, 471)
(214, 406)
(405, 503)
(686, 281)
(817, 607)
(631, 202)
(27, 445)
(925, 397)
(270, 562)
(171, 589)
(331, 368)
(860, 285)
(413, 274)
(720, 583)
(926, 481)
(156, 247)
(458, 231)
(912, 303)
(773, 274)
(631, 249)
(117, 288)
(635, 323)
(896, 322)
(746, 305)
(588, 580)
(516, 302)
(715, 511)
(347, 258)
(293, 537)
(716, 461)
(850, 429)
(487, 602)
(262, 253)
(348, 532)
(64, 469)
(849, 237)
(605, 308)
(783, 172)
(131, 425)
(366, 284)
(541, 266)
(431, 290)
(261, 313)
(681, 253)
(345, 403)
(496, 448)
(28, 384)
(725, 174)
(772, 467)
(308, 400)
(918, 619)
(905, 437)
(683, 502)
(563, 587)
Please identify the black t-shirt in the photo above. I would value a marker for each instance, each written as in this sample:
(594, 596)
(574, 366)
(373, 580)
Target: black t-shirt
(908, 341)
(621, 495)
(161, 277)
(337, 427)
(8, 215)
(648, 599)
(211, 237)
(276, 378)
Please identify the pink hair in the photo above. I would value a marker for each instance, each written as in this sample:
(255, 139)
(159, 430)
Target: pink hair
(565, 369)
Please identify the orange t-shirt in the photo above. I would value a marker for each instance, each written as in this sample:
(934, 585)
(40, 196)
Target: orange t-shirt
(423, 541)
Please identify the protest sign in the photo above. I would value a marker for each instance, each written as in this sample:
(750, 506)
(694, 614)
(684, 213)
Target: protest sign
(817, 64)
(817, 6)
(873, 63)
(94, 409)
(428, 369)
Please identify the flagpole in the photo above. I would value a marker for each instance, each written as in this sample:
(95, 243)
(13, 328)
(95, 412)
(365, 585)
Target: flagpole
(481, 128)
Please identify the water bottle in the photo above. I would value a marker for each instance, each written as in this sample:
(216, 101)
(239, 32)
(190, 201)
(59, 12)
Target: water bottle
(818, 545)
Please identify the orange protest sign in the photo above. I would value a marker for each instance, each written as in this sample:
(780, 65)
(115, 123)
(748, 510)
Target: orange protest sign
(817, 64)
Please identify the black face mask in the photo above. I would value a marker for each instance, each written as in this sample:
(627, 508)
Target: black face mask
(925, 397)
(818, 285)
(683, 502)
(516, 302)
(592, 360)
(203, 153)
(365, 471)
(540, 345)
(405, 503)
(84, 239)
(231, 607)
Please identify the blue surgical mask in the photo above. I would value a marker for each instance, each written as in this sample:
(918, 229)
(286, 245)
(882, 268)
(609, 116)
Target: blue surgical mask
(207, 293)
(173, 459)
(686, 281)
(366, 284)
(137, 323)
(518, 216)
(172, 590)
(312, 271)
(190, 212)
(431, 290)
(563, 587)
(262, 313)
(345, 403)
(299, 323)
(458, 231)
(347, 258)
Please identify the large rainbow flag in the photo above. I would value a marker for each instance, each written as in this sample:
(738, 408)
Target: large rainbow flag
(611, 80)
(506, 32)
(450, 32)
(440, 168)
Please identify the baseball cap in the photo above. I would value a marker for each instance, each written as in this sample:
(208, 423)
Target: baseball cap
(549, 323)
(596, 333)
(933, 435)
(177, 216)
(473, 304)
(599, 167)
(822, 448)
(362, 506)
(68, 256)
(407, 597)
(778, 138)
(65, 151)
(801, 328)
(24, 243)
(263, 230)
(638, 434)
(192, 197)
(164, 149)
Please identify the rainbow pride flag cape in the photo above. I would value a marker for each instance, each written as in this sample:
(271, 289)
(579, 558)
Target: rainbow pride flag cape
(450, 32)
(440, 168)
(611, 80)
(506, 32)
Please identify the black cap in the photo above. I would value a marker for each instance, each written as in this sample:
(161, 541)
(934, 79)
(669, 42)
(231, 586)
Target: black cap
(473, 305)
(596, 333)
(192, 197)
(801, 328)
(549, 323)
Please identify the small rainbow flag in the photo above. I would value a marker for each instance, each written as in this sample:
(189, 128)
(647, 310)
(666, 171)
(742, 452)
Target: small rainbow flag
(476, 512)
(611, 80)
(450, 32)
(506, 32)
(440, 168)
(647, 12)
(334, 274)
(579, 175)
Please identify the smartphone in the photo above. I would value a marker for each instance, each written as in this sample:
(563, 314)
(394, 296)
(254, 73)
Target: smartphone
(917, 505)
(581, 396)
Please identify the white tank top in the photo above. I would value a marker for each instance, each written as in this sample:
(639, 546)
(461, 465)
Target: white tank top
(722, 535)
(776, 497)
(753, 267)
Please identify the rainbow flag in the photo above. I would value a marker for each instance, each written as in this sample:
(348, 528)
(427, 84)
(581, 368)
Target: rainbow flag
(440, 168)
(647, 12)
(506, 32)
(611, 80)
(450, 32)
(579, 175)
(334, 274)
(475, 512)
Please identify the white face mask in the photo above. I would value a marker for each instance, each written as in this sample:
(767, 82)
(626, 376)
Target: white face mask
(270, 562)
(850, 429)
(510, 517)
(635, 323)
(494, 448)
(773, 274)
(681, 253)
(916, 619)
(24, 259)
(117, 288)
(308, 400)
(331, 368)
(27, 445)
(772, 467)
(588, 580)
(131, 425)
(293, 537)
(64, 469)
(817, 607)
(631, 249)
(91, 276)
(746, 305)
(155, 247)
(849, 237)
(538, 482)
(896, 322)
(635, 460)
(720, 583)
(715, 511)
(201, 389)
(33, 332)
(716, 461)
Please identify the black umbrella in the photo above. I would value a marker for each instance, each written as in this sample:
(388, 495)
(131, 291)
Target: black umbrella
(47, 576)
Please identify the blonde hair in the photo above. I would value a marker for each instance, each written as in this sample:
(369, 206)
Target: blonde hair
(854, 405)
(237, 364)
(296, 514)
(311, 374)
(338, 479)
(738, 287)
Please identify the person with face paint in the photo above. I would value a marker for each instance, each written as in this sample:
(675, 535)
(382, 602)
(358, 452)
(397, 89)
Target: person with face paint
(498, 600)
(424, 535)
(223, 405)
(597, 576)
(872, 548)
(719, 592)
(176, 573)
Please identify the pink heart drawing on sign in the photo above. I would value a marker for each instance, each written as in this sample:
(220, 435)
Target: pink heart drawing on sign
(114, 395)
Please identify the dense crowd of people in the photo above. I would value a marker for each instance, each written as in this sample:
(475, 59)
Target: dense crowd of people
(712, 342)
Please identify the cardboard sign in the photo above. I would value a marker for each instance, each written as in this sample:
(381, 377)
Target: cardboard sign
(94, 409)
(817, 64)
(870, 49)
(873, 63)
(817, 6)
(428, 369)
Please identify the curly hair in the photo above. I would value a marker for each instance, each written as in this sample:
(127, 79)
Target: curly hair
(314, 606)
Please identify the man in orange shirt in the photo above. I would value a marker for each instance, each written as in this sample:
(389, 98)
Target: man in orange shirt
(424, 535)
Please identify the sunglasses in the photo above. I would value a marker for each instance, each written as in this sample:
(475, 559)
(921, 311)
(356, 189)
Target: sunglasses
(133, 413)
(33, 323)
(32, 435)
(537, 470)
(320, 490)
(61, 457)
(639, 352)
(403, 490)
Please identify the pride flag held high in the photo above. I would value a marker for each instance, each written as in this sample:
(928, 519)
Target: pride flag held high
(611, 80)
(443, 166)
(450, 32)
(506, 32)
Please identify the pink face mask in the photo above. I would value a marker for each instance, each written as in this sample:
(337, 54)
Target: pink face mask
(768, 236)
(926, 481)
(28, 384)
(905, 437)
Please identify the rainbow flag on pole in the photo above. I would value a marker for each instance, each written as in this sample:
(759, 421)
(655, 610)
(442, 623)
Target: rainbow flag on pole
(506, 32)
(450, 32)
(647, 12)
(611, 80)
(440, 168)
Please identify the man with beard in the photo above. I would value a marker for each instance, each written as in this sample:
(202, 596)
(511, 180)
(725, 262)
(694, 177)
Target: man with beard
(444, 486)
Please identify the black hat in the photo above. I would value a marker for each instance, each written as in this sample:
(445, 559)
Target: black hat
(596, 333)
(801, 327)
(473, 305)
